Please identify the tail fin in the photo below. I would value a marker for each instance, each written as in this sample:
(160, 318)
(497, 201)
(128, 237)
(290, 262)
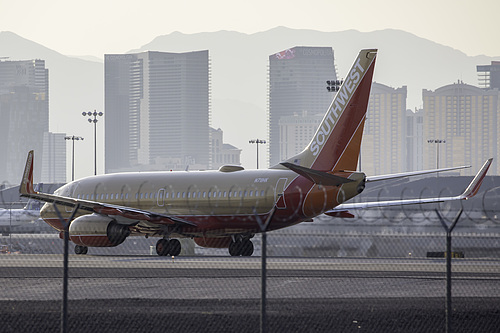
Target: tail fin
(337, 141)
(26, 186)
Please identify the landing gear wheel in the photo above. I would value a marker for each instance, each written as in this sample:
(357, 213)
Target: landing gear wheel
(235, 248)
(241, 248)
(80, 249)
(163, 247)
(175, 247)
(246, 248)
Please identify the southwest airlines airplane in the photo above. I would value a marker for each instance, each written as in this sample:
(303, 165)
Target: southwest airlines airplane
(227, 207)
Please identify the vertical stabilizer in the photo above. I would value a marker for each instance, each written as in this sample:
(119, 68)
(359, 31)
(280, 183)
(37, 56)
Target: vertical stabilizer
(26, 186)
(337, 141)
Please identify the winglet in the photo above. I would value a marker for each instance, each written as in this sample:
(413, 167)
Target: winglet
(26, 186)
(475, 184)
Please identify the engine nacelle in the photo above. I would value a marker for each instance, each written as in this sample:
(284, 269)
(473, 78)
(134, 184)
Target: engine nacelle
(98, 231)
(213, 242)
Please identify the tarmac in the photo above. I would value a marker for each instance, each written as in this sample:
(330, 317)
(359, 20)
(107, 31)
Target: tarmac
(141, 293)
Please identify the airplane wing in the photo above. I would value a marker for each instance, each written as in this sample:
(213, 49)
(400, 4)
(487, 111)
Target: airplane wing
(412, 173)
(26, 190)
(343, 209)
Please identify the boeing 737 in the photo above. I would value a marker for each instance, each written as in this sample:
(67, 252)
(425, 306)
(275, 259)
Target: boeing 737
(227, 207)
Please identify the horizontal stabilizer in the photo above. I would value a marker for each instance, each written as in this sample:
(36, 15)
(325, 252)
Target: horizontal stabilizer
(411, 173)
(469, 192)
(317, 177)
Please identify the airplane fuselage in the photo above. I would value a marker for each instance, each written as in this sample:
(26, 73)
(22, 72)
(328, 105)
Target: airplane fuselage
(217, 202)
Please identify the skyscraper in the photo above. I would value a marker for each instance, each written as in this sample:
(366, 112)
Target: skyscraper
(297, 83)
(24, 114)
(383, 149)
(489, 75)
(156, 109)
(54, 158)
(464, 121)
(296, 132)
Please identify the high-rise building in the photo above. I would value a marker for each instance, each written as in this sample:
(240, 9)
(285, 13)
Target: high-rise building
(296, 132)
(297, 83)
(414, 139)
(157, 107)
(461, 127)
(489, 75)
(383, 148)
(54, 158)
(24, 114)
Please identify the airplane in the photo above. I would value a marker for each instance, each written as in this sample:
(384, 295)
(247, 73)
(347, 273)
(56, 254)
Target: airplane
(226, 208)
(11, 218)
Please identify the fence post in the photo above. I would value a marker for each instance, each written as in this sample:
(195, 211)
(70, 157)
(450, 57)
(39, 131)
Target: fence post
(64, 307)
(448, 266)
(263, 272)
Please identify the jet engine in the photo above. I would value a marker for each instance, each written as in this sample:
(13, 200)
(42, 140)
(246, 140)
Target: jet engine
(98, 231)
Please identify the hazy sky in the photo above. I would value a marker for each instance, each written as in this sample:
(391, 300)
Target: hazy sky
(95, 27)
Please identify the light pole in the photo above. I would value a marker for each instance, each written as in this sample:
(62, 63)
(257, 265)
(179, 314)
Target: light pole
(257, 141)
(73, 138)
(95, 114)
(437, 142)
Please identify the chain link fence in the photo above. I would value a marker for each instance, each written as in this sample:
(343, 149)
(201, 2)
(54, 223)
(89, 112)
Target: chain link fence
(382, 271)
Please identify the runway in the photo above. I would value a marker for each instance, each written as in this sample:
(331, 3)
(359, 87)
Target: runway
(111, 277)
(138, 293)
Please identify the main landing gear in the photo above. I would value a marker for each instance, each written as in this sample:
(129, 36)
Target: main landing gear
(165, 247)
(80, 249)
(241, 247)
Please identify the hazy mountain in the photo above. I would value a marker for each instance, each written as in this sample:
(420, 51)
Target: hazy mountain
(240, 63)
(75, 85)
(239, 73)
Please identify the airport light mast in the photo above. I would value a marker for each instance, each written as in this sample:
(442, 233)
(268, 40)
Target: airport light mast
(257, 141)
(437, 142)
(95, 114)
(73, 138)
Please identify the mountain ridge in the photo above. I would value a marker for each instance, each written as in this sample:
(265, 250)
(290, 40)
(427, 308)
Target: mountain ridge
(239, 66)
